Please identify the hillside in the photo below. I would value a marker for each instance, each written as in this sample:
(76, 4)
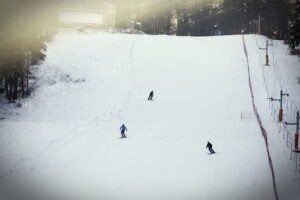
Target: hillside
(64, 141)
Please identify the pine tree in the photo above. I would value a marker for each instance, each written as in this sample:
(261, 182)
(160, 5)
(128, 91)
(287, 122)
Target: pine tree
(294, 29)
(23, 30)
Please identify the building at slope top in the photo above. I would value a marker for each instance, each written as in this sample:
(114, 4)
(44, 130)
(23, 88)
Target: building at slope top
(90, 18)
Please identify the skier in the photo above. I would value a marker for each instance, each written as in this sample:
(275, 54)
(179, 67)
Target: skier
(150, 95)
(209, 146)
(123, 128)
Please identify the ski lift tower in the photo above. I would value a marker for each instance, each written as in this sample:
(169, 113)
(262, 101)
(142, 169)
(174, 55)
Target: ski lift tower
(258, 24)
(296, 142)
(267, 55)
(280, 115)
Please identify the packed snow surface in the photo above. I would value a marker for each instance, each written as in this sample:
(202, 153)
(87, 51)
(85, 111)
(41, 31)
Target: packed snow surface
(64, 142)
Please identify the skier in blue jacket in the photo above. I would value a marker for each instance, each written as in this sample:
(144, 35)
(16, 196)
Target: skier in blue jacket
(123, 128)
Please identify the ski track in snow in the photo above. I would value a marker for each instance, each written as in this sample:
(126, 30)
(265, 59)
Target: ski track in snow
(70, 134)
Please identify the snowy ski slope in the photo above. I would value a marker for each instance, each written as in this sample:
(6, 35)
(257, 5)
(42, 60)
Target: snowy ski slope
(64, 142)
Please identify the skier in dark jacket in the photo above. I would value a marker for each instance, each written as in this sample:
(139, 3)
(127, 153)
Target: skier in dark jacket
(150, 95)
(123, 128)
(209, 146)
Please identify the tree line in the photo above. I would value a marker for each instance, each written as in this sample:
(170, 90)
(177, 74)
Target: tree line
(25, 25)
(279, 19)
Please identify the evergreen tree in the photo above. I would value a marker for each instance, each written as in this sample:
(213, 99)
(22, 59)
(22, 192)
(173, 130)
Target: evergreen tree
(294, 29)
(24, 26)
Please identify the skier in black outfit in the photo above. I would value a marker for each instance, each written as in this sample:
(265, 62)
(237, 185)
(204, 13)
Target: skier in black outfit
(209, 146)
(150, 95)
